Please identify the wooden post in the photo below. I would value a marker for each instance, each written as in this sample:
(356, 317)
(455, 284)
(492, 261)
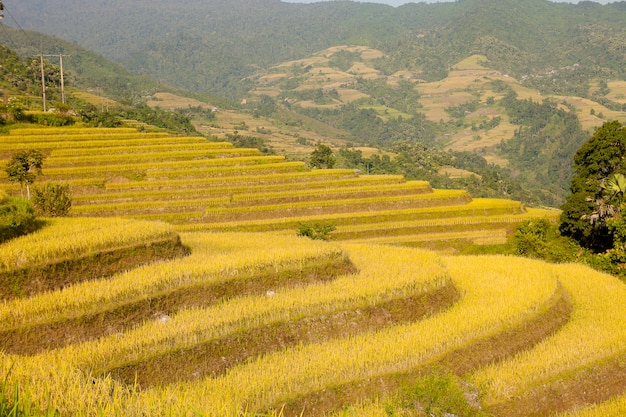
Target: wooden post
(62, 79)
(43, 84)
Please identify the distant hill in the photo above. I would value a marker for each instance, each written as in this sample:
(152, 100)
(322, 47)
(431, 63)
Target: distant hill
(212, 46)
(85, 69)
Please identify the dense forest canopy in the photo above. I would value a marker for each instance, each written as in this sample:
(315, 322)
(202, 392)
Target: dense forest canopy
(211, 46)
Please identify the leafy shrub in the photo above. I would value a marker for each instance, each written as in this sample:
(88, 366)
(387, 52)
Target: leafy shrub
(53, 119)
(541, 239)
(435, 395)
(16, 217)
(315, 231)
(53, 200)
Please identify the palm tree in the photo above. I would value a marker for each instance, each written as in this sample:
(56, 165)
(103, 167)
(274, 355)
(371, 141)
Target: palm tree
(609, 202)
(615, 185)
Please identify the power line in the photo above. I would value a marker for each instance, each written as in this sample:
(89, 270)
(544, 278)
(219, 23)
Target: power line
(28, 38)
(6, 33)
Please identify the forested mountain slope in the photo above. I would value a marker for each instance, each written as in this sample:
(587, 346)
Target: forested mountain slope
(212, 46)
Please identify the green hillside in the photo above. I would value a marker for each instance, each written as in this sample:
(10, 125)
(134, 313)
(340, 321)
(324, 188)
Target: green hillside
(211, 46)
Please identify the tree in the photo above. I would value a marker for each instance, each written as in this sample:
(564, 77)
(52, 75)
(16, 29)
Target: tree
(596, 160)
(24, 167)
(322, 157)
(53, 200)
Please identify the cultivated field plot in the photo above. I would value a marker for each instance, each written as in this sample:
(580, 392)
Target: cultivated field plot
(250, 323)
(201, 185)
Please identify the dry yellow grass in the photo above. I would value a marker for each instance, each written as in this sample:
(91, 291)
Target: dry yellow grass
(363, 70)
(457, 172)
(169, 101)
(348, 95)
(618, 91)
(477, 237)
(272, 78)
(92, 98)
(469, 140)
(368, 54)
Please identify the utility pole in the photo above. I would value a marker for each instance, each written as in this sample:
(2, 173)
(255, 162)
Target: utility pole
(43, 82)
(62, 79)
(43, 85)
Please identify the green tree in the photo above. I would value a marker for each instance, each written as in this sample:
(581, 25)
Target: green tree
(53, 200)
(583, 218)
(322, 157)
(24, 167)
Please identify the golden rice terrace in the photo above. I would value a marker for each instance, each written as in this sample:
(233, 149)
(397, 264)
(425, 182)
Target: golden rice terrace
(219, 310)
(199, 185)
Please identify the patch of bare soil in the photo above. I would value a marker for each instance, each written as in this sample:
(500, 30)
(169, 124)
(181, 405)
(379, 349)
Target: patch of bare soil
(57, 275)
(459, 362)
(592, 385)
(215, 357)
(34, 339)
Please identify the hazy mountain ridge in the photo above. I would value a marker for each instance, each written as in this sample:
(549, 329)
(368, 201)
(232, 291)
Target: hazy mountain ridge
(211, 46)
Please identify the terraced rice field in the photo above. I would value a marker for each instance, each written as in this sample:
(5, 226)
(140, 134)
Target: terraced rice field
(247, 323)
(218, 309)
(201, 185)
